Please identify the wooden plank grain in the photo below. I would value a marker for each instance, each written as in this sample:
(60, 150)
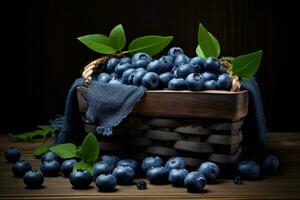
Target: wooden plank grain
(284, 186)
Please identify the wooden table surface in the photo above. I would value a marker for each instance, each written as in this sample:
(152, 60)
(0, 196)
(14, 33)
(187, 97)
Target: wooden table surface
(285, 186)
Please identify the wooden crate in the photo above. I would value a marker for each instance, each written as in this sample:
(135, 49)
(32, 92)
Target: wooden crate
(202, 125)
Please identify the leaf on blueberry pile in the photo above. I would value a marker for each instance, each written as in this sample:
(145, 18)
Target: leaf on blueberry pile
(84, 165)
(98, 42)
(246, 66)
(117, 37)
(40, 150)
(151, 44)
(208, 45)
(64, 151)
(90, 148)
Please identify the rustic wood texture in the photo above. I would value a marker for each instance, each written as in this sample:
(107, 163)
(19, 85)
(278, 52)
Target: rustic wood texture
(284, 186)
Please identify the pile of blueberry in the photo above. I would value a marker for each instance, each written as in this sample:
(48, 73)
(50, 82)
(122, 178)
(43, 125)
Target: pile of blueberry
(174, 71)
(110, 171)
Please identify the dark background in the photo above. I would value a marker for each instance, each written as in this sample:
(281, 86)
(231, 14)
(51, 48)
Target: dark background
(42, 56)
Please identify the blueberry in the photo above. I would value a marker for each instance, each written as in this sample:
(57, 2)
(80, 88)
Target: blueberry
(181, 59)
(195, 182)
(270, 165)
(222, 70)
(104, 77)
(150, 80)
(12, 154)
(121, 67)
(106, 183)
(33, 179)
(156, 66)
(137, 77)
(210, 85)
(176, 84)
(209, 76)
(140, 64)
(238, 180)
(111, 64)
(248, 169)
(67, 166)
(124, 175)
(184, 70)
(224, 82)
(115, 82)
(175, 163)
(126, 60)
(114, 76)
(165, 78)
(151, 162)
(126, 74)
(157, 175)
(102, 167)
(210, 170)
(80, 178)
(194, 81)
(50, 168)
(198, 64)
(177, 176)
(128, 162)
(212, 64)
(175, 51)
(141, 56)
(20, 168)
(141, 185)
(112, 159)
(168, 62)
(49, 156)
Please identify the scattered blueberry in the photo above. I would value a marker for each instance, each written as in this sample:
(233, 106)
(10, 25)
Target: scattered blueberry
(20, 168)
(141, 185)
(106, 183)
(80, 178)
(67, 166)
(177, 176)
(175, 163)
(270, 165)
(210, 170)
(248, 169)
(195, 182)
(102, 167)
(12, 154)
(151, 162)
(49, 156)
(124, 174)
(238, 180)
(157, 175)
(33, 179)
(112, 159)
(50, 168)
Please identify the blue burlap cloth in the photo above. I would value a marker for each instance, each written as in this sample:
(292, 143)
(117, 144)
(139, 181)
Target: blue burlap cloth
(108, 104)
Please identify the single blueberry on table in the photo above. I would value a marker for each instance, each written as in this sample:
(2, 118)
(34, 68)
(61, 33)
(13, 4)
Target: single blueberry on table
(238, 180)
(106, 183)
(194, 81)
(270, 165)
(111, 64)
(50, 168)
(150, 80)
(157, 175)
(156, 66)
(80, 178)
(165, 78)
(49, 156)
(248, 169)
(177, 176)
(67, 166)
(126, 74)
(141, 185)
(195, 182)
(151, 162)
(181, 59)
(20, 168)
(177, 84)
(175, 51)
(137, 77)
(210, 85)
(175, 163)
(141, 56)
(33, 179)
(102, 167)
(124, 175)
(12, 154)
(210, 170)
(112, 159)
(184, 70)
(212, 64)
(104, 77)
(224, 82)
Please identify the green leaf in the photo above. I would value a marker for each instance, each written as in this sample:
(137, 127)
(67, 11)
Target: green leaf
(84, 165)
(208, 44)
(151, 44)
(90, 148)
(64, 150)
(78, 152)
(117, 37)
(40, 150)
(229, 58)
(97, 42)
(199, 52)
(44, 127)
(246, 66)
